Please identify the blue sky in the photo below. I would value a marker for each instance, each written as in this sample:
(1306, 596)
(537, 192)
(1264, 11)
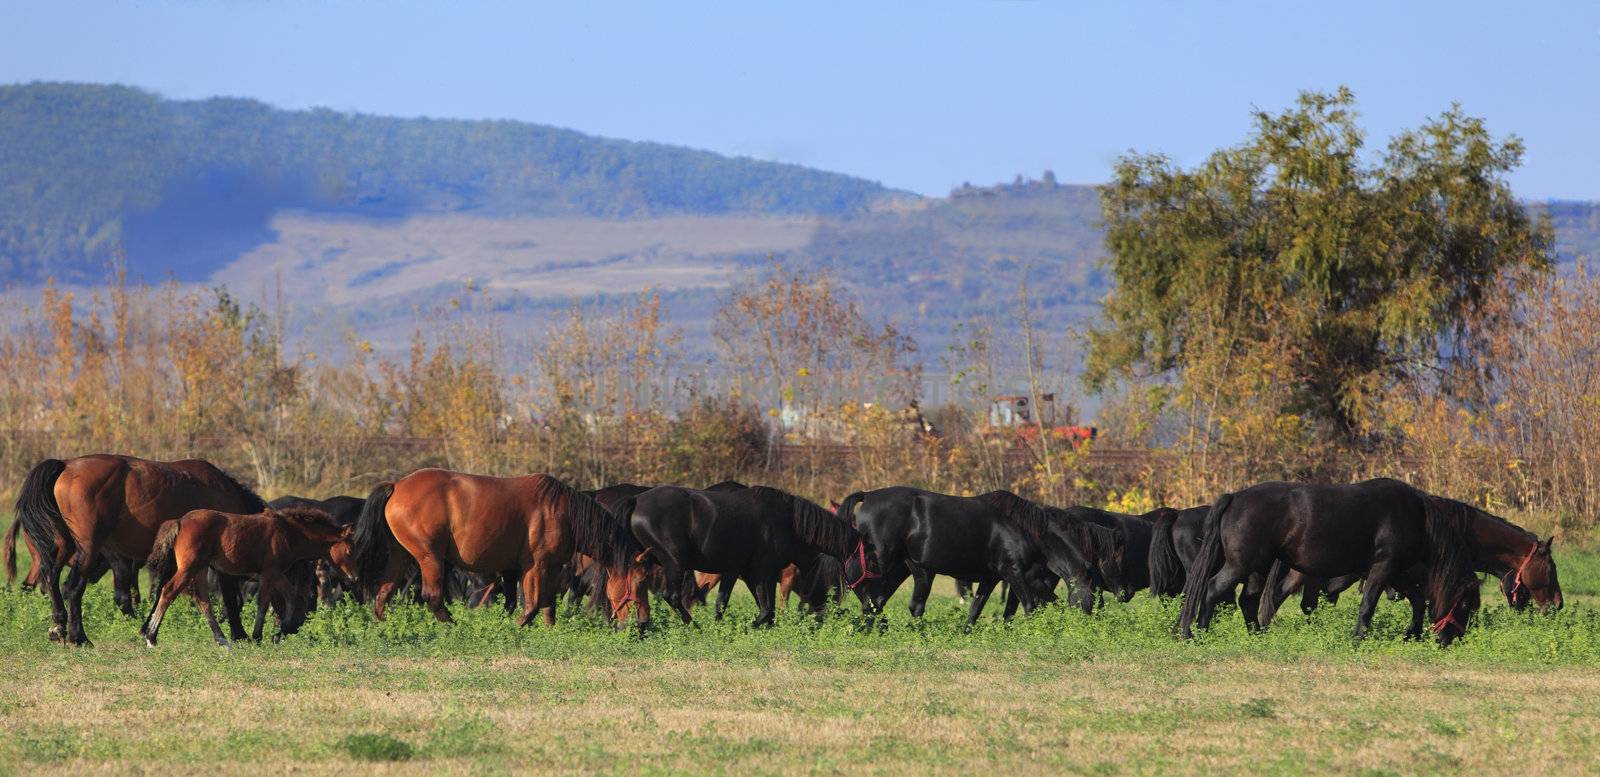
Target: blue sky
(919, 96)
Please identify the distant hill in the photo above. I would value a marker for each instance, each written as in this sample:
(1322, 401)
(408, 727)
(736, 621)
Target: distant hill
(186, 186)
(359, 221)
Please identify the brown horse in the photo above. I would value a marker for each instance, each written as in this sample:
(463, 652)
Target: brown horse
(533, 524)
(102, 503)
(265, 544)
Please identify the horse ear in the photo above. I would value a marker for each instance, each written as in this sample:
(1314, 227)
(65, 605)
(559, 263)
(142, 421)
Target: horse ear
(1544, 545)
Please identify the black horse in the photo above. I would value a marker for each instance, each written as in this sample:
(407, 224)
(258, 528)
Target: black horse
(988, 539)
(1125, 567)
(750, 534)
(1379, 528)
(1088, 545)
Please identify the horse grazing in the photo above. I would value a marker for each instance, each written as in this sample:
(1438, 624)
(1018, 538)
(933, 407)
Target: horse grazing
(1125, 568)
(265, 544)
(1380, 528)
(344, 510)
(91, 505)
(437, 520)
(920, 534)
(750, 534)
(1523, 562)
(1082, 545)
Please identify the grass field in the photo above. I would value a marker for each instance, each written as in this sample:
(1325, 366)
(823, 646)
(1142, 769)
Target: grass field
(1057, 692)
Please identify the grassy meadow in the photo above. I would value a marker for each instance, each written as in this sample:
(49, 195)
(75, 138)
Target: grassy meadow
(1058, 692)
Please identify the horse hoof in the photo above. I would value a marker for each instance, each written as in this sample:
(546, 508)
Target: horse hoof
(58, 634)
(149, 642)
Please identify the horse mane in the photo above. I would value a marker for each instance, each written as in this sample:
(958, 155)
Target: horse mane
(312, 518)
(1026, 515)
(1451, 557)
(597, 532)
(812, 523)
(1034, 520)
(253, 502)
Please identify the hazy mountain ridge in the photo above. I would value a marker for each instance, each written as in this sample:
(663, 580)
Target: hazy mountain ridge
(186, 186)
(361, 220)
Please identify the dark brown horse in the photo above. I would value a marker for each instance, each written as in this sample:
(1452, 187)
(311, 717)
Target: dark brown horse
(103, 503)
(532, 525)
(265, 545)
(1379, 529)
(1522, 562)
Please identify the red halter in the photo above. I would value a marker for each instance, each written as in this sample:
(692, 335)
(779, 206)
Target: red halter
(1516, 582)
(1449, 618)
(866, 572)
(620, 609)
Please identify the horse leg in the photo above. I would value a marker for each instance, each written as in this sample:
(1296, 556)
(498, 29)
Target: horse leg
(202, 599)
(232, 605)
(724, 593)
(1338, 586)
(434, 579)
(264, 590)
(125, 585)
(183, 578)
(77, 581)
(921, 587)
(1419, 606)
(50, 579)
(1377, 580)
(766, 592)
(1018, 580)
(547, 582)
(394, 575)
(1250, 601)
(1222, 584)
(980, 597)
(785, 585)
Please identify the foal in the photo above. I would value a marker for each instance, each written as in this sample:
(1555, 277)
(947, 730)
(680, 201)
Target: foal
(264, 544)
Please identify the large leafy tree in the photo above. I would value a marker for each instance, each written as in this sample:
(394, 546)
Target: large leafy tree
(1343, 269)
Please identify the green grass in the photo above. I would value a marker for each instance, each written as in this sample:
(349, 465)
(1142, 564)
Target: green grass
(1059, 691)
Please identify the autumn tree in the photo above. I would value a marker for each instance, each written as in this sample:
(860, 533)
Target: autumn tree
(798, 340)
(1301, 272)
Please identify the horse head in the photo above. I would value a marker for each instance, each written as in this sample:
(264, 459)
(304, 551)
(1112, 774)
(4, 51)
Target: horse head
(1534, 579)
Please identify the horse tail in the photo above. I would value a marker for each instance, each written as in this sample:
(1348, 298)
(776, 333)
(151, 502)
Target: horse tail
(1452, 578)
(370, 547)
(10, 552)
(1268, 609)
(1206, 563)
(847, 508)
(1166, 567)
(163, 563)
(40, 516)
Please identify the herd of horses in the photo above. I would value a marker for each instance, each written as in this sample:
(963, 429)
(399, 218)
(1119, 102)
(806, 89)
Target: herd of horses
(436, 535)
